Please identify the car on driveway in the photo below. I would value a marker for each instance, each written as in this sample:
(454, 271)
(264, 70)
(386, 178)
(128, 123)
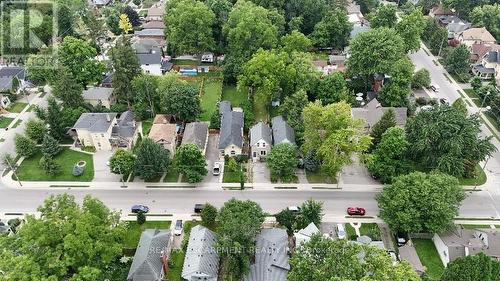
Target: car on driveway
(356, 211)
(216, 169)
(443, 101)
(139, 208)
(435, 88)
(178, 228)
(198, 208)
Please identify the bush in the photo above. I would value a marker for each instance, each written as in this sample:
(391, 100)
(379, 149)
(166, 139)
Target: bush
(215, 120)
(35, 130)
(25, 146)
(311, 161)
(141, 218)
(208, 215)
(421, 101)
(421, 79)
(50, 146)
(242, 158)
(50, 167)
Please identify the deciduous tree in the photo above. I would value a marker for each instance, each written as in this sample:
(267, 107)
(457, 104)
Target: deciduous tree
(310, 211)
(384, 16)
(190, 162)
(124, 24)
(179, 98)
(420, 202)
(489, 17)
(282, 161)
(152, 160)
(387, 121)
(472, 268)
(122, 162)
(333, 88)
(292, 110)
(35, 130)
(457, 61)
(208, 215)
(25, 146)
(332, 31)
(305, 13)
(421, 79)
(410, 28)
(295, 41)
(396, 92)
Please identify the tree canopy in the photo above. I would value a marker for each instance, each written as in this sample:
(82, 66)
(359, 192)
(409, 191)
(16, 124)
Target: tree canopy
(152, 160)
(190, 162)
(397, 91)
(387, 121)
(179, 98)
(282, 161)
(332, 31)
(326, 259)
(420, 202)
(295, 41)
(333, 88)
(384, 16)
(489, 17)
(122, 162)
(457, 60)
(126, 68)
(67, 89)
(410, 28)
(472, 268)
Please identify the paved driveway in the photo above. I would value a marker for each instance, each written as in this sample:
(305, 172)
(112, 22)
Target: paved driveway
(101, 170)
(356, 173)
(212, 156)
(260, 172)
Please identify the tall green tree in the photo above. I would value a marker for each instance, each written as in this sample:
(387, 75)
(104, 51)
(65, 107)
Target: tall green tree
(292, 111)
(420, 202)
(147, 99)
(390, 157)
(67, 89)
(189, 27)
(435, 35)
(457, 61)
(179, 98)
(332, 31)
(384, 16)
(387, 121)
(396, 93)
(282, 161)
(248, 28)
(53, 117)
(80, 58)
(295, 41)
(221, 10)
(122, 162)
(305, 13)
(25, 146)
(421, 79)
(333, 88)
(334, 134)
(464, 7)
(410, 28)
(472, 268)
(152, 160)
(489, 17)
(316, 259)
(126, 66)
(208, 215)
(190, 162)
(50, 146)
(35, 130)
(240, 222)
(311, 211)
(68, 241)
(445, 139)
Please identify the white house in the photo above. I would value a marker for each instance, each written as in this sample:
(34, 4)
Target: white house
(260, 141)
(305, 234)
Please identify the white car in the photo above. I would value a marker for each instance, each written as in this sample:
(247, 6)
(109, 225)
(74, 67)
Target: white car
(178, 228)
(294, 209)
(341, 231)
(216, 169)
(435, 88)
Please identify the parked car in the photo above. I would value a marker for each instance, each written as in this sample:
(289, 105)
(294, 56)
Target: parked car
(178, 228)
(198, 208)
(216, 169)
(435, 88)
(341, 234)
(294, 209)
(356, 211)
(443, 101)
(139, 208)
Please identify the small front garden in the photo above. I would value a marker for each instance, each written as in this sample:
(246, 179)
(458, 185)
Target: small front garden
(234, 171)
(319, 177)
(429, 257)
(30, 169)
(134, 231)
(16, 107)
(5, 122)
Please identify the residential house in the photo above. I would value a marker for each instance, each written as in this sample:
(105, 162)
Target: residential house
(478, 51)
(305, 234)
(337, 62)
(202, 260)
(282, 132)
(324, 67)
(155, 13)
(99, 96)
(99, 3)
(489, 66)
(366, 240)
(7, 76)
(151, 256)
(154, 63)
(440, 10)
(196, 133)
(4, 101)
(148, 45)
(476, 35)
(372, 112)
(464, 242)
(408, 253)
(105, 131)
(454, 25)
(164, 133)
(231, 129)
(271, 256)
(260, 141)
(154, 24)
(150, 33)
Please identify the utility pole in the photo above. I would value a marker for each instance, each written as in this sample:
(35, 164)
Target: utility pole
(484, 99)
(13, 170)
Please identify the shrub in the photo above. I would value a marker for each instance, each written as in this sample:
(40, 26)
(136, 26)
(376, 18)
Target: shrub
(25, 146)
(208, 215)
(141, 218)
(50, 167)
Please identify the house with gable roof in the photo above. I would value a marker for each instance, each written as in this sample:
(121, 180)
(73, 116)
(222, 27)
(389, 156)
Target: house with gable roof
(260, 141)
(202, 260)
(231, 129)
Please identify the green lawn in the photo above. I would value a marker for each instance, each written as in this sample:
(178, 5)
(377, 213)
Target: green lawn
(189, 62)
(134, 231)
(5, 122)
(172, 175)
(17, 107)
(429, 257)
(146, 126)
(231, 93)
(211, 95)
(475, 98)
(371, 230)
(176, 262)
(231, 176)
(480, 179)
(260, 108)
(350, 231)
(493, 120)
(318, 177)
(31, 171)
(474, 226)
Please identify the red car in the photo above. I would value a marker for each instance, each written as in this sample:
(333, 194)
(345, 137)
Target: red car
(356, 211)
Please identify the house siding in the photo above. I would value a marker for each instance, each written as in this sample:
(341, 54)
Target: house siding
(442, 249)
(260, 150)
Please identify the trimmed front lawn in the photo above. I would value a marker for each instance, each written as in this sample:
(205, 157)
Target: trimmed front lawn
(474, 226)
(318, 177)
(231, 93)
(16, 107)
(350, 231)
(233, 177)
(260, 108)
(29, 170)
(5, 122)
(176, 262)
(134, 231)
(212, 92)
(429, 257)
(479, 180)
(473, 96)
(172, 175)
(371, 230)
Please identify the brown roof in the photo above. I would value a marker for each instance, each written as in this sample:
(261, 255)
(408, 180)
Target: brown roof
(156, 11)
(373, 111)
(154, 24)
(320, 63)
(478, 33)
(162, 119)
(440, 10)
(163, 132)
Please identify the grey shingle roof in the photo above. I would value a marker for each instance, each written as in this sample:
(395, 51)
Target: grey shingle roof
(11, 71)
(486, 241)
(126, 125)
(357, 29)
(231, 129)
(154, 58)
(373, 111)
(271, 256)
(147, 263)
(5, 84)
(260, 131)
(493, 57)
(150, 32)
(282, 132)
(98, 93)
(196, 133)
(95, 122)
(202, 260)
(224, 106)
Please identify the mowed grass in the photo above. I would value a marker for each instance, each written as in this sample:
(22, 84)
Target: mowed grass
(29, 170)
(134, 231)
(212, 91)
(260, 108)
(429, 257)
(231, 93)
(146, 126)
(319, 177)
(371, 230)
(17, 107)
(480, 179)
(5, 122)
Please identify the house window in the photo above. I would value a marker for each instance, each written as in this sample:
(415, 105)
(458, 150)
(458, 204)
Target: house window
(102, 135)
(233, 152)
(263, 144)
(263, 153)
(99, 144)
(254, 154)
(258, 144)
